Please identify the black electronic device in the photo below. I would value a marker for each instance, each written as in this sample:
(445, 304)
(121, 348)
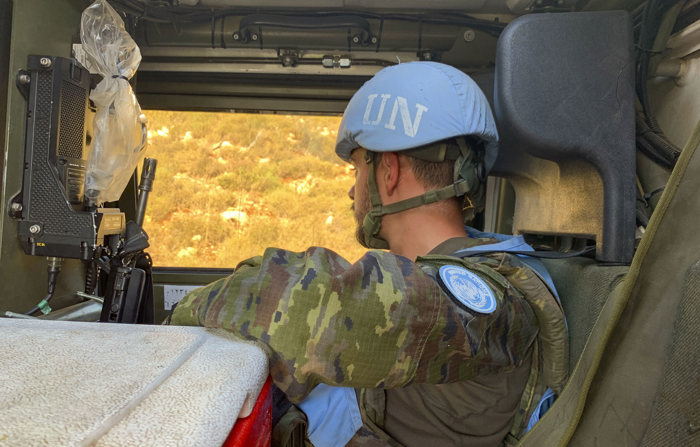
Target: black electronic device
(53, 221)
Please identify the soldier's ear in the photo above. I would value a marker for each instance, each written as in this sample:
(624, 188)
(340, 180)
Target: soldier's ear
(391, 169)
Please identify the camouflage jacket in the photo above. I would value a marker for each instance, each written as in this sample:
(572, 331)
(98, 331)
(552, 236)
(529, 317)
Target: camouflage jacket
(383, 321)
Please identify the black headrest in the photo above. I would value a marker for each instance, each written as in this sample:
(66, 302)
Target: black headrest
(564, 103)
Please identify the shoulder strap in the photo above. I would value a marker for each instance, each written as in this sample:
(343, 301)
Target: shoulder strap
(549, 254)
(551, 356)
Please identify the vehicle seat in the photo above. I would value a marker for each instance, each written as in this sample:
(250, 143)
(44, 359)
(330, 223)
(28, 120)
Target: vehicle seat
(567, 146)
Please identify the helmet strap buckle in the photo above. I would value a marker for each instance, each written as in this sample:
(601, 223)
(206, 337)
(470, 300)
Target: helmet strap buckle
(467, 203)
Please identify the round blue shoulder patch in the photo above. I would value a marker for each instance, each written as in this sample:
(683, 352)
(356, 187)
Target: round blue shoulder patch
(468, 289)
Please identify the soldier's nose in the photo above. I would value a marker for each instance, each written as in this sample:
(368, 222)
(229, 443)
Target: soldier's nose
(351, 192)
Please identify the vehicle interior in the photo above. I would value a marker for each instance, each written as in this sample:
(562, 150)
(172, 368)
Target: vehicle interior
(597, 105)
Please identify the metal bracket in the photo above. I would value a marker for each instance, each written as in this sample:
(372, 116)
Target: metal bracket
(250, 27)
(336, 61)
(288, 57)
(16, 208)
(23, 80)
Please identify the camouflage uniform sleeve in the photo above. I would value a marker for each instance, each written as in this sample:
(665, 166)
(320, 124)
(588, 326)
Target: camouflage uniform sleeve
(381, 322)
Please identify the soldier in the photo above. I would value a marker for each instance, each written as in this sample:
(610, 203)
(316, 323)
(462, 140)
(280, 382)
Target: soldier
(416, 345)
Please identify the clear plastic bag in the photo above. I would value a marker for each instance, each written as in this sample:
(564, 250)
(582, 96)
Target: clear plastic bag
(119, 142)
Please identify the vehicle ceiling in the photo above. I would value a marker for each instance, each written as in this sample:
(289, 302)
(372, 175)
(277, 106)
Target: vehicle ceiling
(308, 55)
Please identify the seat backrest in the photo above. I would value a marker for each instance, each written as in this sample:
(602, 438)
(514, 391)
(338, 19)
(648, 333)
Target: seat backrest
(583, 285)
(564, 105)
(567, 132)
(637, 381)
(567, 146)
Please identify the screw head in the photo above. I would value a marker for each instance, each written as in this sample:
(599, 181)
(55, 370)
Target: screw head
(45, 62)
(236, 36)
(24, 79)
(253, 37)
(469, 35)
(34, 229)
(355, 39)
(374, 39)
(16, 207)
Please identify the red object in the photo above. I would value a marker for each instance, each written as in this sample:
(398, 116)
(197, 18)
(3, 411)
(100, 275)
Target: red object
(256, 429)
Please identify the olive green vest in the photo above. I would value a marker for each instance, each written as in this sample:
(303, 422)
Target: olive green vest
(491, 408)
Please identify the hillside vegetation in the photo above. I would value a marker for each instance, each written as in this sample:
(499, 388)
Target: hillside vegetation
(229, 185)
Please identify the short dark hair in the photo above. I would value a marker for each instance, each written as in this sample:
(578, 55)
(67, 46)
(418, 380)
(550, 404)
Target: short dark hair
(432, 174)
(433, 164)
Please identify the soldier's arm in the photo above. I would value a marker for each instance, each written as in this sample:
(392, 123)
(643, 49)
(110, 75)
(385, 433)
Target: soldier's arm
(381, 322)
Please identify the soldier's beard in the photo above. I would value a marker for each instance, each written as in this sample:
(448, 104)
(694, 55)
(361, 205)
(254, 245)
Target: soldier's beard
(361, 207)
(360, 235)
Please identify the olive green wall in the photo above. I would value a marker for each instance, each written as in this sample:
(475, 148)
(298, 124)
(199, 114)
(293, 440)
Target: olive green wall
(37, 27)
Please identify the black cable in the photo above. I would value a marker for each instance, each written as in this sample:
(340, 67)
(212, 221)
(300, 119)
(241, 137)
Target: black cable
(645, 145)
(91, 275)
(36, 309)
(54, 268)
(161, 13)
(650, 138)
(642, 214)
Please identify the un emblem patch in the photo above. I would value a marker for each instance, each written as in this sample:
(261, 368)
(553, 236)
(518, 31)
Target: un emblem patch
(467, 289)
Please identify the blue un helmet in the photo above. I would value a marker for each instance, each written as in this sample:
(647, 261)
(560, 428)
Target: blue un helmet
(416, 107)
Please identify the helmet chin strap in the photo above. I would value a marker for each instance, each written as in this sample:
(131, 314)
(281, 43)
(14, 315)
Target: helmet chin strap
(372, 222)
(373, 219)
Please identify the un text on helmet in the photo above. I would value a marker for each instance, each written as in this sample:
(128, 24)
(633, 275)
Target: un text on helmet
(410, 127)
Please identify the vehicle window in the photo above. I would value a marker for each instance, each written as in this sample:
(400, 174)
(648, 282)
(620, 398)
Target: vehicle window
(228, 185)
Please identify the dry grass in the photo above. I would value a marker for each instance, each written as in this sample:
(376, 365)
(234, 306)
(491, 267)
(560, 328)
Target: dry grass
(229, 185)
